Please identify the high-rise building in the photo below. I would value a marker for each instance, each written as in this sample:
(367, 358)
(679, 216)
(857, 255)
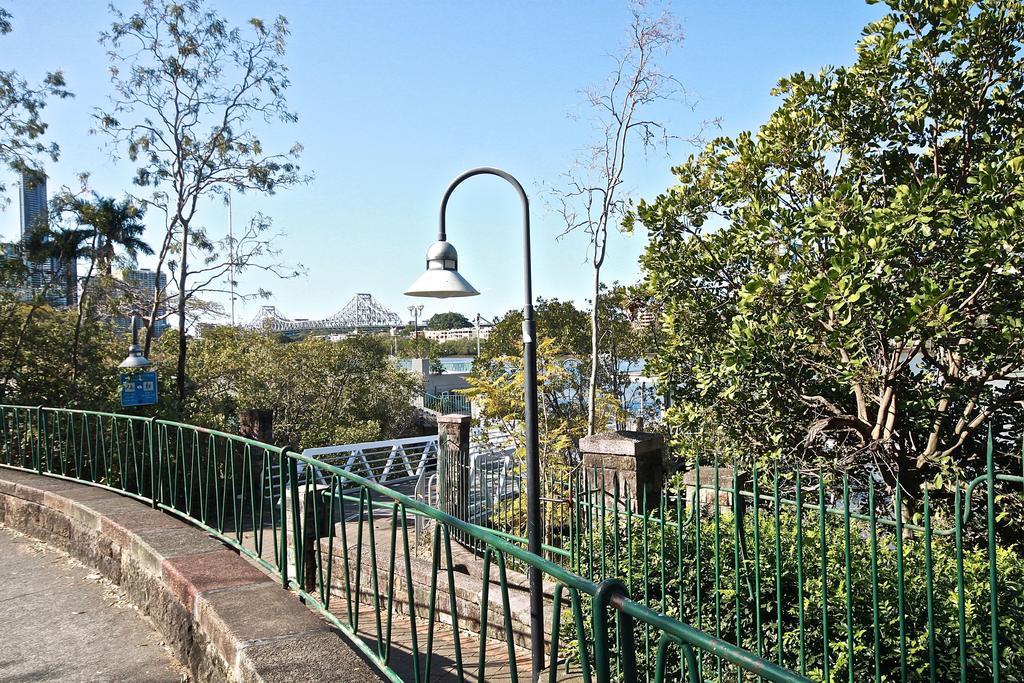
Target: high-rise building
(142, 283)
(33, 202)
(58, 278)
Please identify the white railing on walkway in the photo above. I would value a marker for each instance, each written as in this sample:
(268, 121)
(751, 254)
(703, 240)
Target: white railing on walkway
(391, 461)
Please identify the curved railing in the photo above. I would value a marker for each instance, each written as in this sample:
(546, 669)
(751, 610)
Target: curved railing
(343, 543)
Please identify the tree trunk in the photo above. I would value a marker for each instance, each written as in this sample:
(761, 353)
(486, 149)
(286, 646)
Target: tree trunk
(70, 283)
(153, 312)
(8, 377)
(592, 392)
(81, 316)
(182, 342)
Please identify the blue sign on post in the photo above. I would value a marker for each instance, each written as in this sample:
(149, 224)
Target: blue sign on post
(138, 389)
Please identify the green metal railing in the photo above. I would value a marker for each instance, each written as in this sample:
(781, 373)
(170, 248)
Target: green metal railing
(447, 403)
(344, 544)
(224, 483)
(819, 576)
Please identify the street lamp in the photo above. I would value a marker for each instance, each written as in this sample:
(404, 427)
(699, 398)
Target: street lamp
(138, 381)
(135, 359)
(415, 312)
(442, 280)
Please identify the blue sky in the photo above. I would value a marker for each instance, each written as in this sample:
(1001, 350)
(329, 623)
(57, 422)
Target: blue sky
(396, 98)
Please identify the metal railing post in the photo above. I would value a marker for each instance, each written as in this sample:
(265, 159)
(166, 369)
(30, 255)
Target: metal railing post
(39, 439)
(154, 463)
(296, 525)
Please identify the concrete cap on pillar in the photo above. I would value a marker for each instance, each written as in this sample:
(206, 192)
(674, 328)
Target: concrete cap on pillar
(622, 443)
(457, 418)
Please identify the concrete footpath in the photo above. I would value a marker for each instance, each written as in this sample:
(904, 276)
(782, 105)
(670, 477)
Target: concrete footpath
(60, 621)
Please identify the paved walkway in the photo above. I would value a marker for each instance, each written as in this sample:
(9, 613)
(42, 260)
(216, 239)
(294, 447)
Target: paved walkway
(61, 622)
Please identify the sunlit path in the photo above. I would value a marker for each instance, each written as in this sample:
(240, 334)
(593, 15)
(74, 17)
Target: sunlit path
(63, 623)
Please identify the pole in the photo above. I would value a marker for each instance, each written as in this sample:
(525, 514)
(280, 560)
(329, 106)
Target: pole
(231, 267)
(477, 335)
(533, 517)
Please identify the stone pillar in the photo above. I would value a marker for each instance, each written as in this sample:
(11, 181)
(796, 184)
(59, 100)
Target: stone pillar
(453, 432)
(316, 521)
(257, 425)
(710, 495)
(635, 459)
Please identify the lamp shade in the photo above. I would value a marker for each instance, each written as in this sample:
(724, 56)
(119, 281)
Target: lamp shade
(135, 359)
(441, 284)
(441, 279)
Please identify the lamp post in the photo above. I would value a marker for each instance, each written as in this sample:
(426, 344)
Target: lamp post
(478, 319)
(415, 312)
(442, 280)
(135, 360)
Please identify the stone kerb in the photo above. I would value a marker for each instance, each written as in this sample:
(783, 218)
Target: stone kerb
(224, 618)
(629, 460)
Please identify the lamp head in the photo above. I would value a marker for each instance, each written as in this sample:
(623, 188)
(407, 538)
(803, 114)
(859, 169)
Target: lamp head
(441, 279)
(135, 359)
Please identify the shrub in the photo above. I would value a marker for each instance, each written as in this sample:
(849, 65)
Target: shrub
(792, 587)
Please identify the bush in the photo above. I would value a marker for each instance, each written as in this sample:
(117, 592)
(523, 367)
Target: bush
(642, 551)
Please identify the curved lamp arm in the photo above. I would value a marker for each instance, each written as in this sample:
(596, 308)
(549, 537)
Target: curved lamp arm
(487, 170)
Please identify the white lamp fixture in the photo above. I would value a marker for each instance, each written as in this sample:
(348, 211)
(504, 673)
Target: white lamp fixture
(441, 279)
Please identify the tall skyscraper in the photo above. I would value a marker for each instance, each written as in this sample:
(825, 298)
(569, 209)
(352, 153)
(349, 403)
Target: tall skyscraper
(33, 202)
(57, 277)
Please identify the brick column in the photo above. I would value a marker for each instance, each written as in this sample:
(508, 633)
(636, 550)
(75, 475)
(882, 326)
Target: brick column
(635, 459)
(453, 432)
(257, 425)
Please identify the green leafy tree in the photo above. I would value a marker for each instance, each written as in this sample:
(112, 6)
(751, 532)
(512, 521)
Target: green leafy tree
(622, 344)
(448, 321)
(35, 363)
(21, 124)
(844, 286)
(106, 225)
(190, 92)
(321, 392)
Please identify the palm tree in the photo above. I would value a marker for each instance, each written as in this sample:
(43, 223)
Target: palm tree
(117, 225)
(66, 246)
(105, 224)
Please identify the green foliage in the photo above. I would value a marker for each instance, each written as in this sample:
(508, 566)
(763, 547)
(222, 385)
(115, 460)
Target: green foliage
(844, 285)
(496, 390)
(448, 321)
(622, 343)
(224, 84)
(457, 347)
(36, 362)
(661, 570)
(557, 320)
(321, 392)
(418, 347)
(22, 127)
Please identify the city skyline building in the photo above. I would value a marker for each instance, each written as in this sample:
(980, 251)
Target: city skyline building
(56, 278)
(141, 284)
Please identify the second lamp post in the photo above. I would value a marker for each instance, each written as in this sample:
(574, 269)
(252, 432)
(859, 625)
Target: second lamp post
(442, 280)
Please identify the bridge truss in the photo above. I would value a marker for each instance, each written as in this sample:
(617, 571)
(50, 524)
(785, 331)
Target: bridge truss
(362, 313)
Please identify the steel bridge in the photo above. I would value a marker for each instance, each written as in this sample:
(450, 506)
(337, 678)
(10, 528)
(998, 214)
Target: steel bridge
(362, 313)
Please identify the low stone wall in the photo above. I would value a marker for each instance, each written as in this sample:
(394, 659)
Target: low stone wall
(223, 617)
